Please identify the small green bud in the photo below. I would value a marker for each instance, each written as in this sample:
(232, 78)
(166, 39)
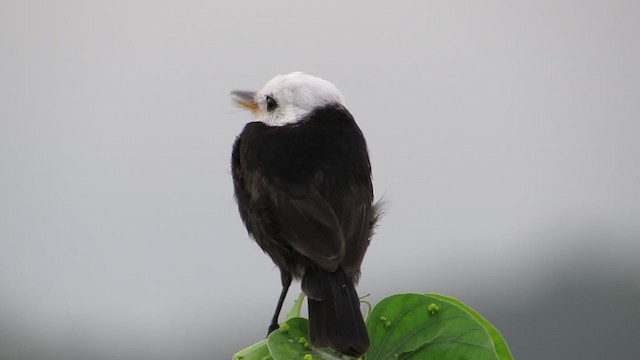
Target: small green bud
(284, 327)
(433, 309)
(302, 340)
(308, 357)
(385, 321)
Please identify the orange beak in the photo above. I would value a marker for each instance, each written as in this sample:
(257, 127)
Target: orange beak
(245, 100)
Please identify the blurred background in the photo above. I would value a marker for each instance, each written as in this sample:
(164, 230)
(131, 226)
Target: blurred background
(504, 134)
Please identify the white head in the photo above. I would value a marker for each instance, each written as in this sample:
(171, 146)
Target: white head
(286, 99)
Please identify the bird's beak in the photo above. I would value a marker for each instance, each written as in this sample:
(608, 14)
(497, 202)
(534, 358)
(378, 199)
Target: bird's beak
(245, 100)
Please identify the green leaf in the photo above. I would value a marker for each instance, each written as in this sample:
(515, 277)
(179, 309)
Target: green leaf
(291, 341)
(297, 306)
(426, 327)
(406, 326)
(257, 351)
(502, 349)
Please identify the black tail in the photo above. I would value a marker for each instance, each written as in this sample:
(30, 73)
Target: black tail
(335, 319)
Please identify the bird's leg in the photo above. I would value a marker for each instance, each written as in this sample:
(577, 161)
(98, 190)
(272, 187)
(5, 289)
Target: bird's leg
(286, 282)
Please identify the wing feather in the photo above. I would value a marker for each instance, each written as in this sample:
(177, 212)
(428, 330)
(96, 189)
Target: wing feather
(312, 228)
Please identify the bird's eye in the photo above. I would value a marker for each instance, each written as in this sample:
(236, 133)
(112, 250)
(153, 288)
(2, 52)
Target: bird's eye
(271, 103)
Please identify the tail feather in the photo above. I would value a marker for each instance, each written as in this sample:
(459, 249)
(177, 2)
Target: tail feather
(335, 319)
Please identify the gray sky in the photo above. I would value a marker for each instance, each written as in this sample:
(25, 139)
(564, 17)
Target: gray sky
(503, 133)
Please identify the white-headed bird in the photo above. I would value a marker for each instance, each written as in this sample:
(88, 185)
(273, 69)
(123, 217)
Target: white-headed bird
(302, 181)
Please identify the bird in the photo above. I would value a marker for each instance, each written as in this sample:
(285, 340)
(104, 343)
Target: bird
(302, 181)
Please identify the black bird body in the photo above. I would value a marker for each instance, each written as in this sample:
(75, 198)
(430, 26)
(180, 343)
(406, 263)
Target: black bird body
(305, 195)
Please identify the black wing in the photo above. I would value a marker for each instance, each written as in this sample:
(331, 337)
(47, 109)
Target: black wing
(310, 225)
